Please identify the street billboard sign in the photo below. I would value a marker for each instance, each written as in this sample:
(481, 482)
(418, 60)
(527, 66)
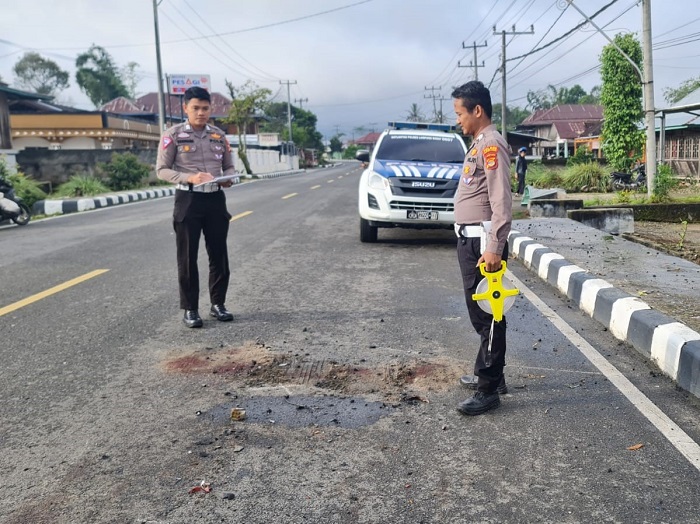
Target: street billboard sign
(178, 84)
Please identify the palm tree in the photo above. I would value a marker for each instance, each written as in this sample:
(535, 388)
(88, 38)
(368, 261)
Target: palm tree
(414, 114)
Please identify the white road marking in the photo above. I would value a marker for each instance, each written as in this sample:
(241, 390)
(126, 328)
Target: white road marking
(669, 429)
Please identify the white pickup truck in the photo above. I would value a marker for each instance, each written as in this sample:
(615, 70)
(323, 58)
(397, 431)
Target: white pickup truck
(411, 178)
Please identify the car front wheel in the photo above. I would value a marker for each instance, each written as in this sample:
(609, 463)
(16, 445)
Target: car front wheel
(368, 232)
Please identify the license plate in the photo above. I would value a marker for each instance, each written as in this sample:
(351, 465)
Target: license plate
(412, 214)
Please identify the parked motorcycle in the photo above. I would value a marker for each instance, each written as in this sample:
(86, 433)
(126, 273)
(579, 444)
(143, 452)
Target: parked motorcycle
(623, 181)
(11, 206)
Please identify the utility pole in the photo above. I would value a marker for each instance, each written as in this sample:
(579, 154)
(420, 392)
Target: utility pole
(301, 101)
(503, 72)
(649, 110)
(647, 79)
(289, 117)
(441, 118)
(474, 64)
(161, 98)
(434, 97)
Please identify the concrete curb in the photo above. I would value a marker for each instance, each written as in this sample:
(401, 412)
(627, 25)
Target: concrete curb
(673, 346)
(74, 205)
(278, 174)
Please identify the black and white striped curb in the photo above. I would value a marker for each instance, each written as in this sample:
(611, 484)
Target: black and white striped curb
(278, 173)
(74, 205)
(673, 346)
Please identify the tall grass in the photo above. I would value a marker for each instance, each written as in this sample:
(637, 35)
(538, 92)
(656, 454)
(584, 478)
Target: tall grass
(81, 185)
(590, 177)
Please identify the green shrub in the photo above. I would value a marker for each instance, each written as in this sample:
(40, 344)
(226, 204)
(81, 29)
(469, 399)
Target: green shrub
(26, 188)
(81, 185)
(582, 156)
(590, 177)
(664, 182)
(545, 179)
(124, 171)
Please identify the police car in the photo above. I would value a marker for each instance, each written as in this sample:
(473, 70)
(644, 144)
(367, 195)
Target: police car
(411, 178)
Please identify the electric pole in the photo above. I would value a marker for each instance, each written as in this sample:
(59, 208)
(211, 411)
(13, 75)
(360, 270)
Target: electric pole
(474, 64)
(161, 98)
(503, 72)
(649, 110)
(434, 97)
(301, 101)
(289, 117)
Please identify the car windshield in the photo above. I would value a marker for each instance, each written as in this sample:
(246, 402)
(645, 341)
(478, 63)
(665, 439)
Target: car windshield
(421, 148)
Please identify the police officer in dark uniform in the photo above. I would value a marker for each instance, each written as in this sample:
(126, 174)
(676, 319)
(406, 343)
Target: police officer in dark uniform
(483, 194)
(193, 155)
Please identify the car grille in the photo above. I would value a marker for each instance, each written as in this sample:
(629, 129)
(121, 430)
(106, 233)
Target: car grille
(441, 188)
(422, 206)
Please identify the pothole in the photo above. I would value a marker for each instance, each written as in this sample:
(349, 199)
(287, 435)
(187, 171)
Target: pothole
(255, 365)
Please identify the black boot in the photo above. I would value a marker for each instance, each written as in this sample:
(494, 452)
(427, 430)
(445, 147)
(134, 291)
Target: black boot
(480, 403)
(219, 312)
(192, 319)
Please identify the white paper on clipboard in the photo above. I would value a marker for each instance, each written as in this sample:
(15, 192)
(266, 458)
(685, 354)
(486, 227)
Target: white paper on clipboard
(219, 179)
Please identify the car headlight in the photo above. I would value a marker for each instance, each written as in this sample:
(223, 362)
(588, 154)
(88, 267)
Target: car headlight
(378, 182)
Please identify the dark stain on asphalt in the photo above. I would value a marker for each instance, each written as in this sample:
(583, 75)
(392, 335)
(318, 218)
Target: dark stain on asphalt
(304, 411)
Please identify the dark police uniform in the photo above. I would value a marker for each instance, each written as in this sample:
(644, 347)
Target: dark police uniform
(484, 194)
(184, 151)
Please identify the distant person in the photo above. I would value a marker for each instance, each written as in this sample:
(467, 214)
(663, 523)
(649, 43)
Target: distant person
(521, 169)
(193, 155)
(483, 194)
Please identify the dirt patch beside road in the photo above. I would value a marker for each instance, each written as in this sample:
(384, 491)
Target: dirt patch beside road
(680, 240)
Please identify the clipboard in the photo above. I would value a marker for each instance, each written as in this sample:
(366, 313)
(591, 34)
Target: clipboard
(219, 179)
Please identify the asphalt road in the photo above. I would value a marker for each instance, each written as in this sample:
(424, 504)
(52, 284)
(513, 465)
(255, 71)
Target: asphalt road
(344, 356)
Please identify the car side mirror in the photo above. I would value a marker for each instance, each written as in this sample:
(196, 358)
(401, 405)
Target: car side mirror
(362, 156)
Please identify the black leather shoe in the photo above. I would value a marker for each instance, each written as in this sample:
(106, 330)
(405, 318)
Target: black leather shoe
(470, 382)
(192, 319)
(480, 403)
(219, 312)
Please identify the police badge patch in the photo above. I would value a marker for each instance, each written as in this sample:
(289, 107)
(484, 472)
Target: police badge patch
(491, 157)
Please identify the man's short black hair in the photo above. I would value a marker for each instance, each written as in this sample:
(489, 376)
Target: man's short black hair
(472, 94)
(197, 92)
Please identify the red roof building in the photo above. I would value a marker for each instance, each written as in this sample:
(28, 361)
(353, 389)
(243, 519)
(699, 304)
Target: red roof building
(146, 107)
(561, 125)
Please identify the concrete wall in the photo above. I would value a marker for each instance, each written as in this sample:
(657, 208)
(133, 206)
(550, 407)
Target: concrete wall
(57, 167)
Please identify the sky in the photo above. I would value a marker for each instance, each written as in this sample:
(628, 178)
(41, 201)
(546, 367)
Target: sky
(356, 64)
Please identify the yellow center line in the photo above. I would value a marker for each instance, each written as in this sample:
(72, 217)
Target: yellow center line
(52, 291)
(315, 187)
(330, 181)
(240, 215)
(290, 195)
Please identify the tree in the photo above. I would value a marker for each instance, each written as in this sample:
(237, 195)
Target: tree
(131, 78)
(550, 97)
(336, 144)
(40, 74)
(514, 116)
(98, 77)
(414, 114)
(246, 101)
(621, 96)
(304, 131)
(676, 95)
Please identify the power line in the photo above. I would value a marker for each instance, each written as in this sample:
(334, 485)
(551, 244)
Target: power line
(568, 33)
(238, 64)
(570, 50)
(543, 36)
(233, 50)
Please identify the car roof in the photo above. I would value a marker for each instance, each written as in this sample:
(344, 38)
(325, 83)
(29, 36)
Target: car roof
(420, 132)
